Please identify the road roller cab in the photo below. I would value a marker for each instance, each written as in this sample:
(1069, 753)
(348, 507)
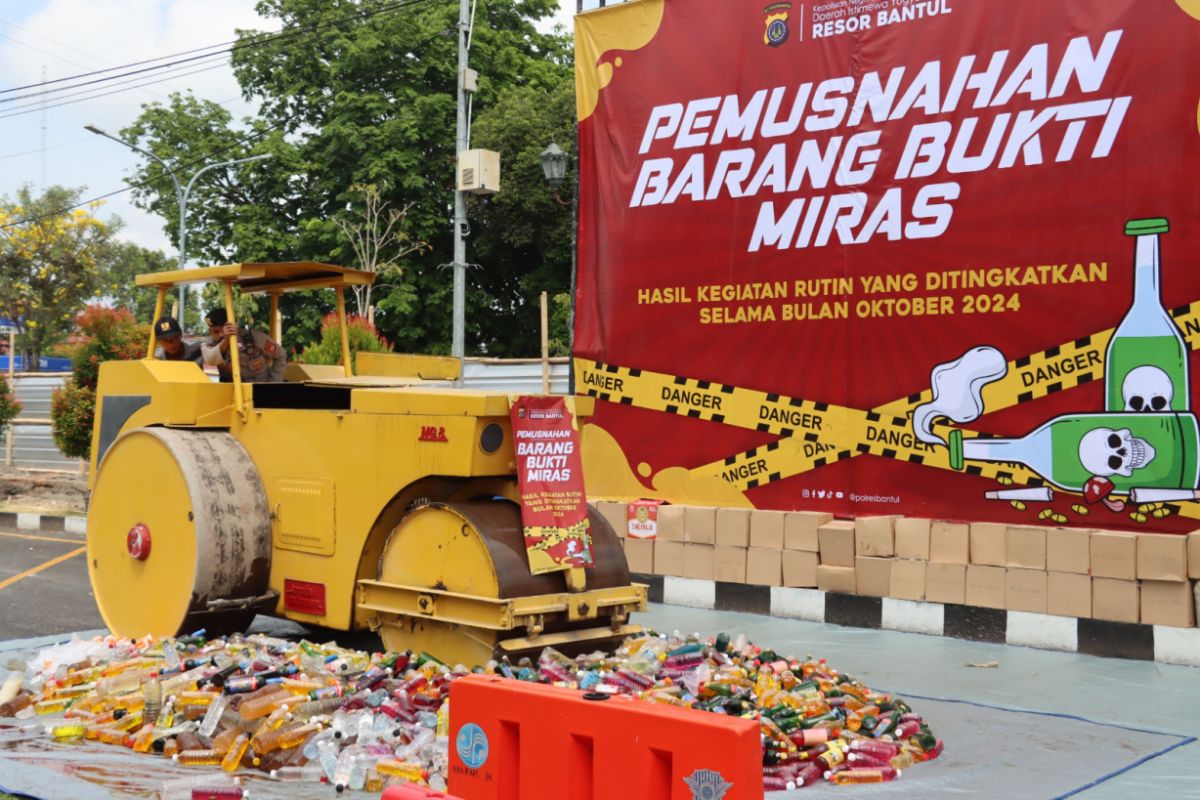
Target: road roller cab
(386, 499)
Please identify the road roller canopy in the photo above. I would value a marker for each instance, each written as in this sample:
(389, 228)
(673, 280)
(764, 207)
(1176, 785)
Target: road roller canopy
(250, 278)
(274, 280)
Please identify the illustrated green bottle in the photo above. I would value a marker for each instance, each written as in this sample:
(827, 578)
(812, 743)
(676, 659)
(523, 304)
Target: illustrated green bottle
(1146, 366)
(1132, 450)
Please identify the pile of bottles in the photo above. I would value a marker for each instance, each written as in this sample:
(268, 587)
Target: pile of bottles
(299, 711)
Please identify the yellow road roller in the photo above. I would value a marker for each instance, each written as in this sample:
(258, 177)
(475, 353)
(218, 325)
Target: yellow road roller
(325, 499)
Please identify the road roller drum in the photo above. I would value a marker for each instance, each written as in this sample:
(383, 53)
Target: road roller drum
(179, 533)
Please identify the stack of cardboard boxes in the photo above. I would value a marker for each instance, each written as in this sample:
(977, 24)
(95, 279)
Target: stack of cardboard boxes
(1109, 575)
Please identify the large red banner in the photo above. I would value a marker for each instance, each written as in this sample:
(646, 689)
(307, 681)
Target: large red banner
(882, 256)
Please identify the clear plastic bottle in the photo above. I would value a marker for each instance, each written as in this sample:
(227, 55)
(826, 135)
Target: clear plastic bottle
(308, 773)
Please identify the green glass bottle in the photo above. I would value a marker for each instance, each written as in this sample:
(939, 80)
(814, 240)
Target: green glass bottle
(1146, 365)
(1132, 450)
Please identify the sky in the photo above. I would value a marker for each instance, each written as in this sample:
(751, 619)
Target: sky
(70, 37)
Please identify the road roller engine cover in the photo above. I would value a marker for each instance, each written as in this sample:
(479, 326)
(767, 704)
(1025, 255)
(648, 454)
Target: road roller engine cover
(324, 499)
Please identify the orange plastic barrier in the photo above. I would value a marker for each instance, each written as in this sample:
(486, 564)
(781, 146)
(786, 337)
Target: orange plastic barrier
(410, 791)
(511, 740)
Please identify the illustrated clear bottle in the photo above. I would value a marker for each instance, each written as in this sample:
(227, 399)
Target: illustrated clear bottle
(1146, 365)
(1132, 450)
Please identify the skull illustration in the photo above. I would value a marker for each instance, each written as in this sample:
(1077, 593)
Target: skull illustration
(1147, 388)
(1107, 452)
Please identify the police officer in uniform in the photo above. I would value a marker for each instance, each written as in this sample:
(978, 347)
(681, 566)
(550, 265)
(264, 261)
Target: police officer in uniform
(261, 359)
(170, 344)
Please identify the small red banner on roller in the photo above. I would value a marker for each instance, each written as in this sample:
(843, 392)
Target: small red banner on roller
(550, 474)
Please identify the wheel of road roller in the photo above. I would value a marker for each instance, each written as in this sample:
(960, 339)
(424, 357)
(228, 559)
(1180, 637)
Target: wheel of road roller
(478, 548)
(178, 534)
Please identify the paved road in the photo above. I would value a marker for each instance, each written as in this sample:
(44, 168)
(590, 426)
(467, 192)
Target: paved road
(33, 445)
(44, 587)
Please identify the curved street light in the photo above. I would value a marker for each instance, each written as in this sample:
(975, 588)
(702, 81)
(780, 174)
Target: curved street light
(181, 194)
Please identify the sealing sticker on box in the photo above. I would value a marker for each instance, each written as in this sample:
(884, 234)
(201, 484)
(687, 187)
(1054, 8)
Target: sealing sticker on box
(643, 519)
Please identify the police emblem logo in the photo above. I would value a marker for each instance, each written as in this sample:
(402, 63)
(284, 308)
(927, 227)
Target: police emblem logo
(707, 784)
(777, 24)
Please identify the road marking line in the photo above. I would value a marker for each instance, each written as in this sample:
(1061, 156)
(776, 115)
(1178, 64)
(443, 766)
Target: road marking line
(4, 584)
(40, 538)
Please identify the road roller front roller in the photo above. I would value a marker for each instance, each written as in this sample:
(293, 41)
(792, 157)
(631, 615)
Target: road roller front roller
(179, 534)
(454, 580)
(383, 498)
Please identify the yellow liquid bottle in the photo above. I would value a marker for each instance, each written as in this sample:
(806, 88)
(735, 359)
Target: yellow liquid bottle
(234, 756)
(198, 758)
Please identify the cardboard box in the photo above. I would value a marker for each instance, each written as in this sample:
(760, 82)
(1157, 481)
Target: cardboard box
(987, 546)
(949, 542)
(668, 558)
(946, 583)
(670, 523)
(874, 575)
(616, 515)
(837, 543)
(907, 580)
(729, 564)
(1025, 590)
(1115, 600)
(1161, 557)
(1193, 548)
(640, 555)
(766, 529)
(875, 537)
(699, 525)
(1067, 550)
(1113, 554)
(836, 579)
(1068, 594)
(912, 538)
(1168, 603)
(698, 561)
(800, 530)
(985, 585)
(1025, 547)
(799, 568)
(764, 566)
(733, 527)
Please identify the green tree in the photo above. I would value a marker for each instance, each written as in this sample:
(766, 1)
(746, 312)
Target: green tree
(50, 262)
(362, 93)
(124, 263)
(105, 334)
(360, 334)
(9, 407)
(527, 226)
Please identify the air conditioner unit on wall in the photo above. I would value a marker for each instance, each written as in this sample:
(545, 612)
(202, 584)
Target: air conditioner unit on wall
(479, 171)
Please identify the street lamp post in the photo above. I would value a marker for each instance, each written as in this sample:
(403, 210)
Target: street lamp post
(181, 194)
(554, 167)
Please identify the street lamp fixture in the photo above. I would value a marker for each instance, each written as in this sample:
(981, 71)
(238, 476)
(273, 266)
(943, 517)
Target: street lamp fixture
(181, 193)
(554, 166)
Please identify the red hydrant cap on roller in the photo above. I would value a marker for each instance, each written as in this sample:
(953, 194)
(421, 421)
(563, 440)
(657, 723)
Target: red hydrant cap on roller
(137, 542)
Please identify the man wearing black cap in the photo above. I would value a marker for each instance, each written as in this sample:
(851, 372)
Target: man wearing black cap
(171, 346)
(261, 360)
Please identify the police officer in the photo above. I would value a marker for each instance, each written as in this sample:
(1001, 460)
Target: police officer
(261, 359)
(170, 344)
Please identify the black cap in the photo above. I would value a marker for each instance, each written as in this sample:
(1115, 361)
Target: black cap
(216, 317)
(166, 327)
